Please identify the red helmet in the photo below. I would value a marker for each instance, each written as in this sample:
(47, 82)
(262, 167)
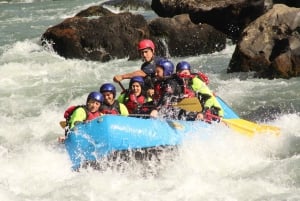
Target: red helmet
(146, 43)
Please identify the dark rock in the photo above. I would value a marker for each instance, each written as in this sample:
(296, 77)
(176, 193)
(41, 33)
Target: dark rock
(228, 16)
(181, 37)
(290, 3)
(112, 36)
(117, 35)
(94, 11)
(270, 45)
(129, 4)
(264, 114)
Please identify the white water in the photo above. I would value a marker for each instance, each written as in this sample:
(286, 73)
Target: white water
(36, 86)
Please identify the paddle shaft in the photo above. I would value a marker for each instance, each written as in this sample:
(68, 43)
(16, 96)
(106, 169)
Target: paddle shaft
(122, 87)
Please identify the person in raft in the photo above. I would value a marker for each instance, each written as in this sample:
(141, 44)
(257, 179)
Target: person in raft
(195, 85)
(82, 113)
(110, 104)
(146, 49)
(167, 91)
(135, 98)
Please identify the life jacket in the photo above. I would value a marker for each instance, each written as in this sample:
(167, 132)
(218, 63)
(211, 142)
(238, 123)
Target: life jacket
(184, 81)
(135, 104)
(70, 110)
(110, 109)
(202, 76)
(157, 92)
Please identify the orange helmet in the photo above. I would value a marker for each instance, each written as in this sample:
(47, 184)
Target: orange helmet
(146, 43)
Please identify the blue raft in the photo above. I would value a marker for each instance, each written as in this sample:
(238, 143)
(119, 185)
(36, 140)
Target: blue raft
(95, 140)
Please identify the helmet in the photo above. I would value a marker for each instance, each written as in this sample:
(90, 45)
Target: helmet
(183, 65)
(95, 96)
(146, 43)
(138, 79)
(108, 87)
(167, 65)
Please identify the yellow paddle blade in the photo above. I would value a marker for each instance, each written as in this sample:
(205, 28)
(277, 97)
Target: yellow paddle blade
(63, 124)
(250, 128)
(190, 104)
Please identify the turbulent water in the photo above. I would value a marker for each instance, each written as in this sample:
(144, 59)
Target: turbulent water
(37, 85)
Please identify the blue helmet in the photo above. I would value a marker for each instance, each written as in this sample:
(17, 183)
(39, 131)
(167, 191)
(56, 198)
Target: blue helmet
(108, 87)
(138, 79)
(95, 96)
(167, 65)
(183, 65)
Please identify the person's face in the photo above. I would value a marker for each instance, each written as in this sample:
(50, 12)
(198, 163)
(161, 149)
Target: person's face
(93, 105)
(184, 72)
(159, 72)
(136, 88)
(108, 97)
(147, 54)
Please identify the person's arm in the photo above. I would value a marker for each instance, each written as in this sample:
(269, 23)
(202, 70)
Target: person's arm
(119, 78)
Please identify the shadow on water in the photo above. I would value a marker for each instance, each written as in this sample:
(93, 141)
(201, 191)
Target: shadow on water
(290, 148)
(264, 114)
(152, 160)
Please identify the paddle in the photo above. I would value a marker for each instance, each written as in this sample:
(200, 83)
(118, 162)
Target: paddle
(122, 87)
(250, 128)
(190, 104)
(247, 127)
(63, 124)
(240, 125)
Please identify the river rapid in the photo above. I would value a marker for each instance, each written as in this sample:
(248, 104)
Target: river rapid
(37, 85)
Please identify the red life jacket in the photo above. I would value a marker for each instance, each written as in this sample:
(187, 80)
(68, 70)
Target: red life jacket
(135, 103)
(110, 109)
(157, 92)
(188, 92)
(202, 76)
(89, 115)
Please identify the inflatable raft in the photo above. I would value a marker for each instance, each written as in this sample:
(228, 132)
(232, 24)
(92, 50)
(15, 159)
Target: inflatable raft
(95, 140)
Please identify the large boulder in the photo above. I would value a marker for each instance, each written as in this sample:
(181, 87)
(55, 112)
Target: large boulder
(178, 36)
(228, 16)
(94, 11)
(103, 38)
(290, 3)
(88, 36)
(270, 45)
(129, 4)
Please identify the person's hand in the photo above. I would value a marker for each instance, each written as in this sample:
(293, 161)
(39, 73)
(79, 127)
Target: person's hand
(208, 115)
(118, 78)
(61, 139)
(150, 92)
(154, 114)
(200, 116)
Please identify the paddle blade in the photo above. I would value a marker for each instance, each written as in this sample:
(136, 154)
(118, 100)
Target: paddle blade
(250, 128)
(190, 104)
(63, 124)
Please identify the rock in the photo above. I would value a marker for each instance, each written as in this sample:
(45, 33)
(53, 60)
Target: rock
(270, 45)
(228, 16)
(129, 4)
(290, 3)
(180, 37)
(100, 39)
(117, 35)
(94, 11)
